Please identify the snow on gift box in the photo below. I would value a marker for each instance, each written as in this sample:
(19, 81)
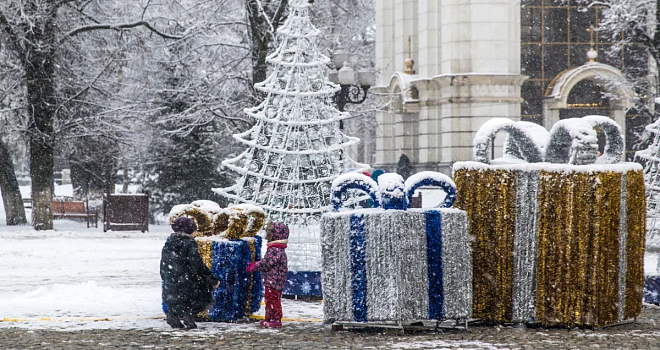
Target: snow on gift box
(229, 243)
(554, 244)
(392, 263)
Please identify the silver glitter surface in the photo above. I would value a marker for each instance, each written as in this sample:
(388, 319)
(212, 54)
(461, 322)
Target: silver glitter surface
(408, 235)
(382, 291)
(457, 264)
(525, 246)
(623, 232)
(336, 272)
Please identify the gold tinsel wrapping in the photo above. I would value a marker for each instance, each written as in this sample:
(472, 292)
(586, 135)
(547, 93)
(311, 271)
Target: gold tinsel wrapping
(554, 197)
(249, 294)
(256, 224)
(577, 271)
(202, 219)
(221, 223)
(578, 248)
(577, 242)
(607, 233)
(636, 218)
(205, 252)
(238, 222)
(489, 198)
(204, 315)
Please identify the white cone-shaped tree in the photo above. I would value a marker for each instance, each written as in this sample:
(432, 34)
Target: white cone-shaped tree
(651, 156)
(295, 149)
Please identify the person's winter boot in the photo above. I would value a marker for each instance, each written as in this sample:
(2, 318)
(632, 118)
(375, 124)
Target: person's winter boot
(173, 320)
(273, 324)
(189, 321)
(263, 323)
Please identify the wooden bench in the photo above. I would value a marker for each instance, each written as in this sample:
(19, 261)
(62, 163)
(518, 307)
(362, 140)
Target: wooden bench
(64, 209)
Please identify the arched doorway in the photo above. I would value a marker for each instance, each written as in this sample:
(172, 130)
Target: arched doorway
(586, 98)
(579, 91)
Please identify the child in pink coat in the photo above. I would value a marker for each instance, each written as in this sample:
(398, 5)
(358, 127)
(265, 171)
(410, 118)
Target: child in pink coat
(274, 268)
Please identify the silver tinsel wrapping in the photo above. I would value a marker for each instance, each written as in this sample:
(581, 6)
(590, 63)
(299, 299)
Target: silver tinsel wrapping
(623, 258)
(397, 283)
(384, 292)
(524, 255)
(408, 237)
(395, 244)
(336, 275)
(457, 264)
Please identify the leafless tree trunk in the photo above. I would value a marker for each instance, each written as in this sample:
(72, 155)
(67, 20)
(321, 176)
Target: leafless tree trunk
(11, 194)
(36, 51)
(264, 22)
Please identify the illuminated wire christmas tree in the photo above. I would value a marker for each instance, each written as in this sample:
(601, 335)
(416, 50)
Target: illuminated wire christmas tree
(651, 156)
(296, 148)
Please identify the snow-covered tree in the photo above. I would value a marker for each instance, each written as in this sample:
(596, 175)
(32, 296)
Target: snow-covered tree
(11, 195)
(36, 31)
(628, 22)
(181, 167)
(295, 149)
(79, 78)
(75, 58)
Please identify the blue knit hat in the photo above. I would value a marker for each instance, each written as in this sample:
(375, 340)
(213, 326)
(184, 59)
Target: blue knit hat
(184, 224)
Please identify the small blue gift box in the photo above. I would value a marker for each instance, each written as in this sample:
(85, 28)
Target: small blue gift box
(240, 293)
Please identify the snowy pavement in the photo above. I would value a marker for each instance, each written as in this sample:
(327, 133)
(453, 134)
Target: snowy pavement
(79, 278)
(643, 335)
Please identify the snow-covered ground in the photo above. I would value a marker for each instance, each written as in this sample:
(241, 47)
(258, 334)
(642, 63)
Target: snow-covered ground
(79, 278)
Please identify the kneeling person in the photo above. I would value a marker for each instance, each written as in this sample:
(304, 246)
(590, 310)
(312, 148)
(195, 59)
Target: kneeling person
(187, 283)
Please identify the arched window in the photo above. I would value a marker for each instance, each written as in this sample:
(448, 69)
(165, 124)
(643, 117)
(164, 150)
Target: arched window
(585, 98)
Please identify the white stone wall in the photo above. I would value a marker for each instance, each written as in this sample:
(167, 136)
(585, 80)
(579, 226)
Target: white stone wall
(406, 26)
(429, 38)
(384, 40)
(467, 55)
(480, 36)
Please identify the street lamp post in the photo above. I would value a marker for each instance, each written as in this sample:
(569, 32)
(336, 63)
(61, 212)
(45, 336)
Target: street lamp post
(353, 91)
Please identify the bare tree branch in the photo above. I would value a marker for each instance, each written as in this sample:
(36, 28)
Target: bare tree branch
(13, 38)
(119, 26)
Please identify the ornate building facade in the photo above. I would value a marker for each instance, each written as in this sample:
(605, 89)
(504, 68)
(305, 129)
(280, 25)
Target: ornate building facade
(448, 66)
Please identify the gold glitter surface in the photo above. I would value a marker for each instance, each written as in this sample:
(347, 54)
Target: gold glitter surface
(249, 294)
(636, 218)
(205, 252)
(204, 315)
(607, 234)
(238, 222)
(257, 222)
(552, 193)
(489, 198)
(204, 223)
(578, 248)
(221, 223)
